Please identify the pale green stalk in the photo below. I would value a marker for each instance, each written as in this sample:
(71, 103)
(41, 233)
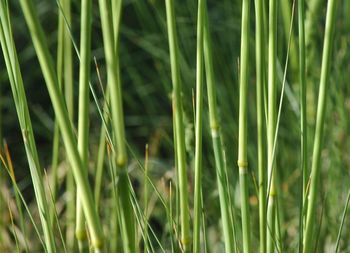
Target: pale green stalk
(321, 111)
(242, 135)
(65, 81)
(112, 61)
(56, 135)
(110, 42)
(303, 125)
(65, 124)
(227, 223)
(260, 83)
(116, 9)
(271, 125)
(198, 132)
(17, 87)
(83, 120)
(178, 127)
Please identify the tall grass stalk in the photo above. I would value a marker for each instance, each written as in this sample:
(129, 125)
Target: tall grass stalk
(226, 214)
(110, 41)
(198, 131)
(17, 87)
(303, 125)
(65, 124)
(271, 125)
(65, 80)
(260, 84)
(116, 13)
(242, 135)
(56, 135)
(321, 111)
(83, 120)
(178, 126)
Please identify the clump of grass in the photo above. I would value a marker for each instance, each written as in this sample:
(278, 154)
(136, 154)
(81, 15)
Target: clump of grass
(143, 56)
(15, 76)
(69, 139)
(110, 40)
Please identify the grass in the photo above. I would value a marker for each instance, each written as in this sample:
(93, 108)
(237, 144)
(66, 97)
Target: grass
(198, 83)
(242, 135)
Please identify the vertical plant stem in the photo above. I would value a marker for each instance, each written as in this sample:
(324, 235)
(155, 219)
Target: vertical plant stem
(65, 124)
(179, 126)
(303, 125)
(260, 83)
(271, 125)
(198, 132)
(321, 109)
(17, 87)
(242, 136)
(65, 81)
(56, 136)
(83, 120)
(227, 223)
(112, 61)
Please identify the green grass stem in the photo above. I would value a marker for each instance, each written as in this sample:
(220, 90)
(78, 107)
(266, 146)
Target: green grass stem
(110, 41)
(83, 117)
(227, 222)
(321, 111)
(260, 84)
(242, 134)
(178, 126)
(198, 131)
(271, 125)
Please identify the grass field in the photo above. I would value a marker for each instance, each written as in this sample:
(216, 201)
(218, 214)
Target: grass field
(174, 126)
